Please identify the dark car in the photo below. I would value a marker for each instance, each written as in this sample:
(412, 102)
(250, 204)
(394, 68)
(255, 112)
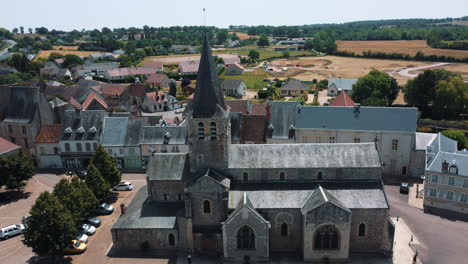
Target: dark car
(104, 209)
(94, 221)
(81, 173)
(404, 187)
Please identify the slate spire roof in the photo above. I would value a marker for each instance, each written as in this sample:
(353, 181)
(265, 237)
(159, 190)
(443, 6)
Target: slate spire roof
(208, 98)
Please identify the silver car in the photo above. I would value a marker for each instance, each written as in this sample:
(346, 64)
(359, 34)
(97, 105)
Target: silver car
(123, 186)
(11, 231)
(87, 229)
(82, 238)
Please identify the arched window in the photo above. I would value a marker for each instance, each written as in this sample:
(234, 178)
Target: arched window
(213, 131)
(55, 150)
(284, 229)
(171, 239)
(206, 207)
(320, 176)
(362, 230)
(245, 177)
(245, 238)
(282, 174)
(326, 237)
(201, 131)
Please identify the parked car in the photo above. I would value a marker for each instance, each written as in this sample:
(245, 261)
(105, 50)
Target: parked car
(123, 186)
(82, 238)
(75, 247)
(11, 231)
(179, 111)
(104, 209)
(25, 218)
(94, 221)
(81, 173)
(404, 187)
(87, 229)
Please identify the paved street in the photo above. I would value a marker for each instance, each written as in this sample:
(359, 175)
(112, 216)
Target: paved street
(442, 240)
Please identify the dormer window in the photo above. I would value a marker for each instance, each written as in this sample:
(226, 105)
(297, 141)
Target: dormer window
(453, 169)
(68, 130)
(80, 130)
(445, 166)
(93, 130)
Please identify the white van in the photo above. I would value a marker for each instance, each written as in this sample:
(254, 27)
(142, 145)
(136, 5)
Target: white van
(11, 231)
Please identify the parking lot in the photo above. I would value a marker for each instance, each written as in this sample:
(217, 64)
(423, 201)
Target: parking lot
(13, 206)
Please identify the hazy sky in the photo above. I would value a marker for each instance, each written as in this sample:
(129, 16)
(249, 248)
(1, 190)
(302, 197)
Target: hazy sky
(91, 14)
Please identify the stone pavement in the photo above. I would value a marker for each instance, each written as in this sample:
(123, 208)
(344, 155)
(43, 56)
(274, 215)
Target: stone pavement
(412, 200)
(404, 243)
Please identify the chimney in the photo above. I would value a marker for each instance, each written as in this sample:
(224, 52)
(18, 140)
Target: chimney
(268, 112)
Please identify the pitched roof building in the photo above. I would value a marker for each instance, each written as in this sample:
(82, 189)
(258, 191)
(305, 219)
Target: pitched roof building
(8, 148)
(343, 99)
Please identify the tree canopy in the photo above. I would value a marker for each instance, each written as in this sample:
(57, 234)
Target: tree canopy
(97, 184)
(263, 41)
(107, 166)
(50, 227)
(459, 136)
(375, 89)
(15, 170)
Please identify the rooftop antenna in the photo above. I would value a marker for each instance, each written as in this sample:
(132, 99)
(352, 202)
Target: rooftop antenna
(204, 18)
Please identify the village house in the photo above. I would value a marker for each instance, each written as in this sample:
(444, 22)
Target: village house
(115, 95)
(94, 69)
(158, 101)
(95, 101)
(189, 67)
(47, 147)
(137, 93)
(130, 72)
(159, 67)
(336, 85)
(23, 110)
(234, 69)
(294, 87)
(234, 87)
(343, 99)
(53, 70)
(79, 137)
(158, 81)
(121, 139)
(446, 183)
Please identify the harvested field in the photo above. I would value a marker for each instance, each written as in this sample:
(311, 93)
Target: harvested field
(243, 36)
(65, 47)
(19, 36)
(175, 59)
(398, 46)
(46, 53)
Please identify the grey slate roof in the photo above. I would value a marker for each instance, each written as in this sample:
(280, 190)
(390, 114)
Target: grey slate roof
(349, 118)
(231, 84)
(214, 175)
(283, 115)
(338, 155)
(424, 139)
(86, 119)
(114, 131)
(294, 84)
(135, 126)
(460, 159)
(284, 199)
(168, 166)
(319, 197)
(155, 134)
(342, 83)
(208, 100)
(142, 213)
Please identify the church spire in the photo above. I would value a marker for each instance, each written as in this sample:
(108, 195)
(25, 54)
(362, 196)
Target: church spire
(208, 96)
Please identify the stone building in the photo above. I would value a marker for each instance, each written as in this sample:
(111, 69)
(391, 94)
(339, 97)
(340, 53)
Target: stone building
(320, 202)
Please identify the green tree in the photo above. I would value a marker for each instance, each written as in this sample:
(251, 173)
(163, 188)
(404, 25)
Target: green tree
(50, 227)
(15, 31)
(451, 98)
(166, 43)
(107, 166)
(286, 54)
(72, 60)
(76, 196)
(375, 89)
(254, 55)
(222, 36)
(149, 51)
(140, 53)
(459, 136)
(263, 41)
(309, 44)
(30, 30)
(22, 30)
(16, 170)
(421, 91)
(97, 184)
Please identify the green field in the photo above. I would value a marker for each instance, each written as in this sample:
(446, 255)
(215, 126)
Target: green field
(265, 53)
(253, 80)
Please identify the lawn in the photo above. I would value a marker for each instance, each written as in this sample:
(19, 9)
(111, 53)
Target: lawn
(253, 80)
(398, 46)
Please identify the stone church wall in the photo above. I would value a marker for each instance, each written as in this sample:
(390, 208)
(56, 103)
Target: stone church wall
(133, 239)
(166, 190)
(292, 241)
(375, 221)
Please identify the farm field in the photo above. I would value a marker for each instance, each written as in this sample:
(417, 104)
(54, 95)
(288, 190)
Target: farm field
(175, 59)
(65, 47)
(253, 78)
(398, 46)
(242, 35)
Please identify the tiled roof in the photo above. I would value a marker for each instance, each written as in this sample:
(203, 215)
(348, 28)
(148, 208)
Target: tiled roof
(157, 97)
(168, 166)
(49, 134)
(294, 84)
(189, 66)
(402, 119)
(114, 90)
(258, 109)
(138, 89)
(237, 65)
(153, 64)
(343, 99)
(6, 146)
(75, 103)
(93, 96)
(156, 78)
(239, 106)
(129, 71)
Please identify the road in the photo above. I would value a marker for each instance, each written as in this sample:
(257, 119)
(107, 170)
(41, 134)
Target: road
(4, 52)
(406, 72)
(443, 240)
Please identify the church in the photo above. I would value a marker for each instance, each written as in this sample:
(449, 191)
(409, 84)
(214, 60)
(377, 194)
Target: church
(319, 202)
